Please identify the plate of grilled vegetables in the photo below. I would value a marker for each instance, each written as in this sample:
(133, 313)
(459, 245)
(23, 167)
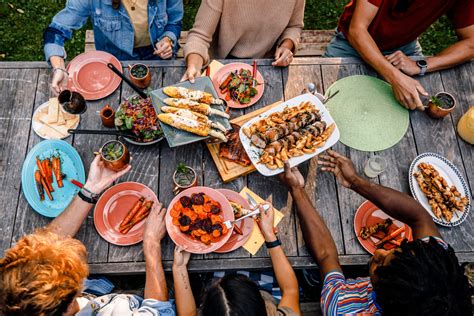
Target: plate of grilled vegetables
(439, 186)
(296, 130)
(191, 112)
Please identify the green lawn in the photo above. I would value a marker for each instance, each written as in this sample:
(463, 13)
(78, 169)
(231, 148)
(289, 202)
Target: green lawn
(22, 23)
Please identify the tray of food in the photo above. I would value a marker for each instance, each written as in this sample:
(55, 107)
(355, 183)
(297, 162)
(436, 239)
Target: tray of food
(375, 229)
(47, 175)
(138, 117)
(51, 122)
(195, 220)
(439, 186)
(191, 112)
(240, 84)
(296, 130)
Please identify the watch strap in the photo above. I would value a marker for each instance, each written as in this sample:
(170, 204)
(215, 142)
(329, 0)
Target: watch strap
(273, 244)
(86, 198)
(423, 68)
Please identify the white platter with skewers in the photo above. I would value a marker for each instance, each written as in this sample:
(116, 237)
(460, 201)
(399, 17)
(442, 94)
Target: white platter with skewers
(452, 176)
(254, 152)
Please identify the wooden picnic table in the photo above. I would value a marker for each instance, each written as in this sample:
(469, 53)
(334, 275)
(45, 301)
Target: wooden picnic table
(26, 85)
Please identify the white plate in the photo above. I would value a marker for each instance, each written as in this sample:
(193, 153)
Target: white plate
(254, 152)
(37, 124)
(451, 174)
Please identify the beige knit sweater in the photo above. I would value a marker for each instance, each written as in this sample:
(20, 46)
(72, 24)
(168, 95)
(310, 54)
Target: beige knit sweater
(244, 28)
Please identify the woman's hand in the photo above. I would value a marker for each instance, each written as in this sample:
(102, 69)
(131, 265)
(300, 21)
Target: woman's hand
(164, 48)
(155, 230)
(342, 167)
(265, 222)
(59, 80)
(284, 54)
(194, 62)
(292, 177)
(100, 177)
(181, 257)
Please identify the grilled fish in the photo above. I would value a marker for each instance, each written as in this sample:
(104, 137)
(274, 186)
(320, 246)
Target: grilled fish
(191, 126)
(194, 106)
(193, 116)
(194, 95)
(233, 149)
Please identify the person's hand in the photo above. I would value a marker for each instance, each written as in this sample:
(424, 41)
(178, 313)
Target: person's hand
(403, 63)
(292, 177)
(100, 177)
(283, 57)
(59, 80)
(191, 73)
(407, 91)
(181, 257)
(265, 222)
(164, 48)
(155, 229)
(342, 167)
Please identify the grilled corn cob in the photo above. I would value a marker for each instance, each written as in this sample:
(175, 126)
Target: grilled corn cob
(194, 95)
(194, 106)
(189, 125)
(193, 116)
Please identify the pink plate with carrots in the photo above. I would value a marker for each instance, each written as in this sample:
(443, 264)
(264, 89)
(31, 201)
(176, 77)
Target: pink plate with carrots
(114, 205)
(368, 215)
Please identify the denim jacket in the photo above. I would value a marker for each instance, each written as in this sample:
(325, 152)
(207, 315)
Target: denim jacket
(113, 29)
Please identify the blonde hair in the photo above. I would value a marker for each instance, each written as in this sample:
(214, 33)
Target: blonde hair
(42, 274)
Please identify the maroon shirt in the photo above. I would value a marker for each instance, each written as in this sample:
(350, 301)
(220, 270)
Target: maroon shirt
(391, 29)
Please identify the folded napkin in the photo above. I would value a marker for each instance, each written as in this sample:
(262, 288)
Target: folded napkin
(256, 239)
(214, 66)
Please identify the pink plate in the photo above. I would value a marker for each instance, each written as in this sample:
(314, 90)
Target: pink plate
(367, 215)
(235, 241)
(222, 74)
(195, 246)
(90, 76)
(114, 205)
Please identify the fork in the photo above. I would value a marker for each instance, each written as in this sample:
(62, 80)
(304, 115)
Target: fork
(230, 224)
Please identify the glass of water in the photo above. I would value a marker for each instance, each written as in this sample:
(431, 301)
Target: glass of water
(375, 166)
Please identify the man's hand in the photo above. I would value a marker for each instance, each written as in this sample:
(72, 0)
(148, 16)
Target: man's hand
(181, 257)
(164, 48)
(155, 229)
(403, 63)
(100, 177)
(292, 177)
(59, 80)
(265, 222)
(342, 167)
(407, 91)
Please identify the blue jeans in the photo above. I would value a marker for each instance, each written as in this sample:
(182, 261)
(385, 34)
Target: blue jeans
(340, 47)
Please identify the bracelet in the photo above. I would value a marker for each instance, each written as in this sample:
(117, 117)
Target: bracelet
(273, 244)
(88, 197)
(62, 69)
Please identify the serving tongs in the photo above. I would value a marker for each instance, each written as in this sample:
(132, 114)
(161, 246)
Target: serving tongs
(230, 224)
(142, 94)
(102, 132)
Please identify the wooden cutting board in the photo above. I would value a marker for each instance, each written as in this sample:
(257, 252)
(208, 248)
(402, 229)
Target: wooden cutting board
(230, 170)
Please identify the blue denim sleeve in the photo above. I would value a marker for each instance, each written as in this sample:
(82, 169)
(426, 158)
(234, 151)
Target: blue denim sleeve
(175, 11)
(72, 17)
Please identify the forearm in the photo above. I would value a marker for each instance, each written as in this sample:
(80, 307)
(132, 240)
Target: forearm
(155, 284)
(398, 205)
(57, 62)
(185, 304)
(69, 222)
(317, 236)
(455, 54)
(196, 60)
(288, 43)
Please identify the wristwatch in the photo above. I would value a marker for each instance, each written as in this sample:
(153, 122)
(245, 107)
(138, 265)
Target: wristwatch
(423, 66)
(88, 197)
(273, 244)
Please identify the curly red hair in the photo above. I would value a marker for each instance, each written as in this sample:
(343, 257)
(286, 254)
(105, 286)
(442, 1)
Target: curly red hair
(42, 274)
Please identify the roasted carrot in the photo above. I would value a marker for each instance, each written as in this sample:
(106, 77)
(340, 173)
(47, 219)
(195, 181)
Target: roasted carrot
(145, 208)
(390, 236)
(237, 230)
(44, 164)
(43, 174)
(39, 186)
(45, 186)
(135, 221)
(49, 170)
(135, 208)
(57, 171)
(380, 236)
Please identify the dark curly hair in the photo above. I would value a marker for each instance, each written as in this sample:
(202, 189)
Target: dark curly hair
(423, 279)
(233, 295)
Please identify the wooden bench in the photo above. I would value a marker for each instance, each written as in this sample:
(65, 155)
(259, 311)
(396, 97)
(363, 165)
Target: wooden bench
(313, 42)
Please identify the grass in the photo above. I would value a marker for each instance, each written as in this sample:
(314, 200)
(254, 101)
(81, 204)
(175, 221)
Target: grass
(22, 23)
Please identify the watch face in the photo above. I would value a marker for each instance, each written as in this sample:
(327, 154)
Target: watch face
(422, 63)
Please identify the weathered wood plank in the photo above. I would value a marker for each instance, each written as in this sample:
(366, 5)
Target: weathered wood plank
(27, 220)
(349, 201)
(439, 136)
(146, 163)
(17, 90)
(319, 186)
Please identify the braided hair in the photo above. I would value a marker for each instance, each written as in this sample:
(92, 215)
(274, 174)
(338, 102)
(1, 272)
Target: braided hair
(423, 279)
